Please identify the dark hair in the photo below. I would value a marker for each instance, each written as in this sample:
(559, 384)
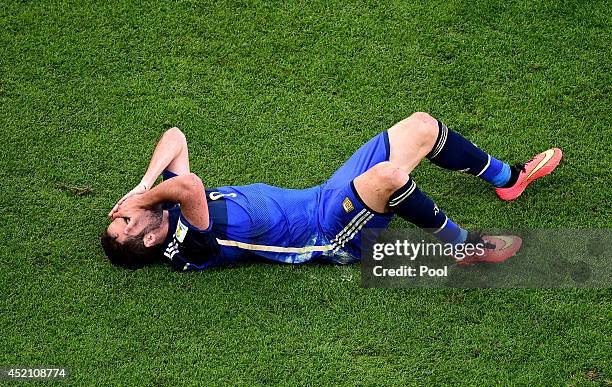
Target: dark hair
(131, 254)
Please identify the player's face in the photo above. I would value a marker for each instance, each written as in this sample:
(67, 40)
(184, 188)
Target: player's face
(147, 221)
(117, 229)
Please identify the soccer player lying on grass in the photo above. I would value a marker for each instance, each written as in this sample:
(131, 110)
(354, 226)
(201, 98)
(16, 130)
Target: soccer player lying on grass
(194, 228)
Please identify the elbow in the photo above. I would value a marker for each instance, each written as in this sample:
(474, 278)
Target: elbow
(193, 183)
(187, 187)
(176, 134)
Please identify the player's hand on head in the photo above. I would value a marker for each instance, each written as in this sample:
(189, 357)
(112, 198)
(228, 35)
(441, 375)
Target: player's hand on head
(129, 206)
(138, 190)
(132, 210)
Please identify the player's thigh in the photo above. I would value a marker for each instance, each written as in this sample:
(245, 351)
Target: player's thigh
(411, 139)
(375, 151)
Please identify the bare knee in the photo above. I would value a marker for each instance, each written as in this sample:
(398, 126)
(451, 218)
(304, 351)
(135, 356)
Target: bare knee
(423, 128)
(174, 135)
(389, 175)
(424, 118)
(378, 183)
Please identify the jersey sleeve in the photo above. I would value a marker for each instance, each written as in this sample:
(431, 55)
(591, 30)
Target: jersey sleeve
(192, 248)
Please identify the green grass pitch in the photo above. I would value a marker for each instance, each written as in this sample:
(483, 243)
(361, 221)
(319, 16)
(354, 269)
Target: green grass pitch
(283, 93)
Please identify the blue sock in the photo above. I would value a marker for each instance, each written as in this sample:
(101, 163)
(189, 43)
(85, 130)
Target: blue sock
(452, 233)
(413, 205)
(455, 152)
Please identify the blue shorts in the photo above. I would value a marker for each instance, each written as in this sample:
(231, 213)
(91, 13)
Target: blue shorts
(342, 213)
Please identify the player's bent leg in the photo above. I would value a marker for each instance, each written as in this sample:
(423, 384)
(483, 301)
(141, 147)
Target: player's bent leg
(388, 188)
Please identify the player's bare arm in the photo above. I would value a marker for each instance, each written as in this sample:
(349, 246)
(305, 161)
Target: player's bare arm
(186, 190)
(139, 224)
(171, 154)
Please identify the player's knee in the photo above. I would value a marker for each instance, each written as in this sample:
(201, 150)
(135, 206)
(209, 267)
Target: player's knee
(423, 117)
(389, 175)
(424, 129)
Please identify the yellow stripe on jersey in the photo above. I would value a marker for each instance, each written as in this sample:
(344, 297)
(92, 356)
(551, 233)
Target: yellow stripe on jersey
(273, 249)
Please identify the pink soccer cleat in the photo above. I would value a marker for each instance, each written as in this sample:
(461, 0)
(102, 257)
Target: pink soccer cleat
(497, 249)
(539, 166)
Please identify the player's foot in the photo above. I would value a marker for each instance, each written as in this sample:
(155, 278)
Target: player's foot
(539, 166)
(497, 248)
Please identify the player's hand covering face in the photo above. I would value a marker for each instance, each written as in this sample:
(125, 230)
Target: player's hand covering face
(135, 213)
(138, 190)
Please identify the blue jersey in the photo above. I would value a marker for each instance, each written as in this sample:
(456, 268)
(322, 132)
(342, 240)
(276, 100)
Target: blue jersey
(284, 225)
(254, 220)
